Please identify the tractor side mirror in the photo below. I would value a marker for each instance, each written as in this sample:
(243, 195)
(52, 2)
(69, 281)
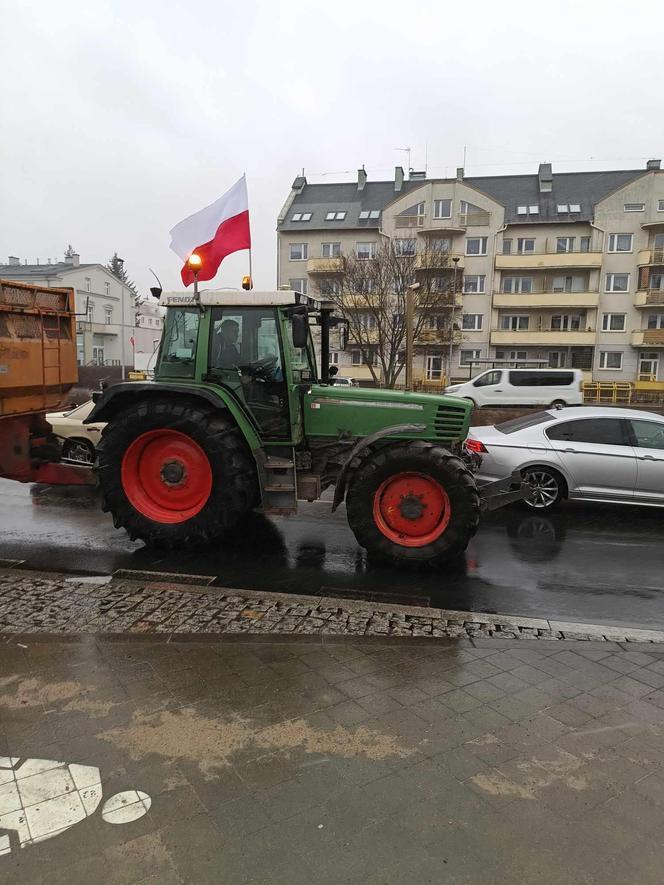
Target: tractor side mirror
(300, 330)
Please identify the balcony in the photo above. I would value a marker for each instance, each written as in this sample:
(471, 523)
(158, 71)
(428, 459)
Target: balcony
(546, 299)
(546, 260)
(409, 221)
(649, 298)
(324, 265)
(461, 222)
(549, 338)
(435, 260)
(648, 338)
(97, 328)
(437, 336)
(650, 256)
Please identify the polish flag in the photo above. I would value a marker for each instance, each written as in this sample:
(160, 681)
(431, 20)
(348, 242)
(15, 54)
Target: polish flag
(214, 232)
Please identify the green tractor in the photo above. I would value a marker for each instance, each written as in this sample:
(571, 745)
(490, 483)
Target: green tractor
(238, 417)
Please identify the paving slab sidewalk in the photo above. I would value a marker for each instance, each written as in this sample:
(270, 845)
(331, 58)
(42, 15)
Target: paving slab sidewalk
(362, 761)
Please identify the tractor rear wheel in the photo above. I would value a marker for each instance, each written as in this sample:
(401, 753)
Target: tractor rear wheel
(413, 503)
(175, 475)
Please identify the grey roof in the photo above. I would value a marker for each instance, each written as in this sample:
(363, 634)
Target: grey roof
(319, 199)
(17, 271)
(584, 188)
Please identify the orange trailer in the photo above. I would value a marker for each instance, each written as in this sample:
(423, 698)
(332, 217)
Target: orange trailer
(37, 370)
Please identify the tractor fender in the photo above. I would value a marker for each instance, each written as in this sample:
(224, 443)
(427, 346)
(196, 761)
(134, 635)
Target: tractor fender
(360, 446)
(114, 398)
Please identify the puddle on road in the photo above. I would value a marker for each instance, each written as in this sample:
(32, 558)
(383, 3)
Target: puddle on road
(17, 693)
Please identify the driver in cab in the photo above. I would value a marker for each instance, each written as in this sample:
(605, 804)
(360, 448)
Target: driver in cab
(226, 353)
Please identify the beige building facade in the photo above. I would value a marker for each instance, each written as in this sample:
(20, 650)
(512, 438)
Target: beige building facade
(560, 270)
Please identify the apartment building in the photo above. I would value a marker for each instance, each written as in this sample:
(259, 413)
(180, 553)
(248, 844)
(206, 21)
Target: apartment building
(551, 269)
(105, 306)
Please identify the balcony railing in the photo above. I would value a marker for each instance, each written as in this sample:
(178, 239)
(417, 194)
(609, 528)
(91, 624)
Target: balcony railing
(461, 221)
(402, 221)
(547, 285)
(324, 265)
(432, 259)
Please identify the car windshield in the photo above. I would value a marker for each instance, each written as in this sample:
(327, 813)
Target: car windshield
(523, 422)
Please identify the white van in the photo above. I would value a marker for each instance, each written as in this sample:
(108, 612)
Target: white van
(523, 387)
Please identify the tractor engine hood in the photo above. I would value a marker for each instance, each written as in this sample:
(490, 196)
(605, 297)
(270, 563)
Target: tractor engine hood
(331, 411)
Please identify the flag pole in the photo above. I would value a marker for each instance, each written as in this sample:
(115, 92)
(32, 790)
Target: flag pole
(251, 272)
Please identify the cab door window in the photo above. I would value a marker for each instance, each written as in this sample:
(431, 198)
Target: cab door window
(245, 355)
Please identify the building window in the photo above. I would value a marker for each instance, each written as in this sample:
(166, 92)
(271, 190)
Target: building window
(514, 323)
(434, 368)
(334, 357)
(565, 244)
(584, 244)
(330, 250)
(610, 359)
(299, 286)
(90, 311)
(558, 359)
(365, 251)
(329, 287)
(660, 205)
(107, 287)
(517, 284)
(356, 357)
(527, 210)
(613, 322)
(567, 322)
(511, 356)
(149, 321)
(656, 320)
(468, 357)
(568, 284)
(476, 245)
(301, 216)
(374, 214)
(108, 315)
(367, 321)
(617, 282)
(620, 242)
(507, 245)
(525, 245)
(474, 283)
(299, 251)
(335, 216)
(88, 284)
(472, 322)
(442, 208)
(574, 207)
(634, 207)
(404, 248)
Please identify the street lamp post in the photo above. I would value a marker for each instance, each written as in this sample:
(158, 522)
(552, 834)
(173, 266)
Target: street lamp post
(410, 318)
(454, 289)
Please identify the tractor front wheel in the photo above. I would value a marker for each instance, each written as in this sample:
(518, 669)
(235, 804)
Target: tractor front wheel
(175, 475)
(413, 503)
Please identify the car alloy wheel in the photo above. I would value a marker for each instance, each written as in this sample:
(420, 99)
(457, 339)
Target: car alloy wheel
(545, 489)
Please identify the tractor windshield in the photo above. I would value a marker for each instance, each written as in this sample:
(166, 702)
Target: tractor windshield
(178, 353)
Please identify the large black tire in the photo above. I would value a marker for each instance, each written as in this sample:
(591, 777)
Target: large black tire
(220, 451)
(428, 461)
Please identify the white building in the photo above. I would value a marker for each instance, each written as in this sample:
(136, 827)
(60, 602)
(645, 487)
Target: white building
(105, 307)
(147, 334)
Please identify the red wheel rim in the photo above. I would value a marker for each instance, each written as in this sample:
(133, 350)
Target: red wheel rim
(166, 476)
(411, 509)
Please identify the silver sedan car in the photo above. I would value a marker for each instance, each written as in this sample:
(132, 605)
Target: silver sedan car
(591, 453)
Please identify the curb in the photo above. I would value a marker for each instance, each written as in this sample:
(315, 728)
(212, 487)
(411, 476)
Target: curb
(143, 604)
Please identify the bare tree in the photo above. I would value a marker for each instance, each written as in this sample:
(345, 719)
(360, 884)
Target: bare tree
(370, 293)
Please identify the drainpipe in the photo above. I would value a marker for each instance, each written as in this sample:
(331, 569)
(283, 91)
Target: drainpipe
(599, 295)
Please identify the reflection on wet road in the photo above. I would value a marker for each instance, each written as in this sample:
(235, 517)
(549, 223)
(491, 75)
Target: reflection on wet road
(585, 562)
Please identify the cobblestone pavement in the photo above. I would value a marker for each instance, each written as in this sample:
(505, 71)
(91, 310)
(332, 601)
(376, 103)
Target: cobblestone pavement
(367, 761)
(42, 603)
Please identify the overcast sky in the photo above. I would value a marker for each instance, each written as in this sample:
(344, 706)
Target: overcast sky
(121, 118)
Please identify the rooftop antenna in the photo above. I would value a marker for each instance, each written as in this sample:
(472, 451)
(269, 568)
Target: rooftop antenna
(465, 149)
(426, 158)
(407, 150)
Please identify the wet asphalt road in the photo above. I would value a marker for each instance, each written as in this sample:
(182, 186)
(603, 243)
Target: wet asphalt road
(586, 562)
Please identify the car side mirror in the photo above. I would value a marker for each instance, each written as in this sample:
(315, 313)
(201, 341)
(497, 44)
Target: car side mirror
(300, 330)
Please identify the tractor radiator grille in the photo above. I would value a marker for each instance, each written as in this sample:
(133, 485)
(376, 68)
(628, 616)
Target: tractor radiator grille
(450, 422)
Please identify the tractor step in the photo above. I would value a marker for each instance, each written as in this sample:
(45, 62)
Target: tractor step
(279, 491)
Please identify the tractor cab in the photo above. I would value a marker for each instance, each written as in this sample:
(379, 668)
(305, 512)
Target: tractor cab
(255, 345)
